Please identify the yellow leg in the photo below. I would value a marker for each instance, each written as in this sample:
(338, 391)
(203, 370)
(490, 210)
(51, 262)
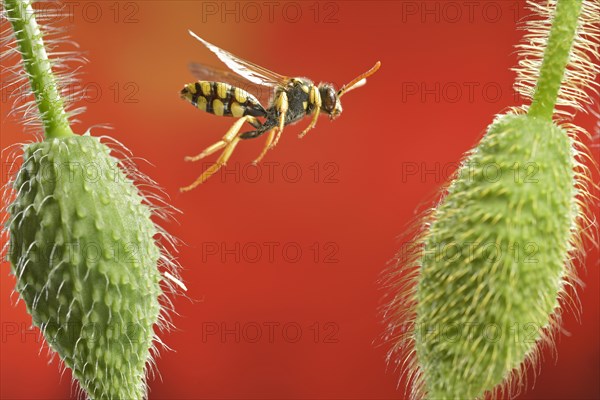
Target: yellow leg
(282, 107)
(315, 98)
(229, 142)
(270, 137)
(227, 138)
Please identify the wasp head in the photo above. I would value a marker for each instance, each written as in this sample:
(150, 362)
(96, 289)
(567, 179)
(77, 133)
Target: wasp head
(330, 101)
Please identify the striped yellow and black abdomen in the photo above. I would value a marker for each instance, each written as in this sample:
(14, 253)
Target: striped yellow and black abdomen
(222, 99)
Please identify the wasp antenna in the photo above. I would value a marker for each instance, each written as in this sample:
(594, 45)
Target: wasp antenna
(196, 36)
(359, 80)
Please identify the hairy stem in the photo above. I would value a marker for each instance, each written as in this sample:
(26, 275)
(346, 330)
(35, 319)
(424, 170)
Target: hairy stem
(556, 58)
(38, 68)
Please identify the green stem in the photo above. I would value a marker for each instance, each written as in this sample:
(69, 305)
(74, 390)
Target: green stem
(38, 68)
(556, 58)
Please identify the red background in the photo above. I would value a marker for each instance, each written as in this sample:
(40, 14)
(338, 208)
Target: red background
(354, 209)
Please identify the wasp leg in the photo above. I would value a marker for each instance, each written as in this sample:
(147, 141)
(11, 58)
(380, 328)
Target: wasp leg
(254, 134)
(229, 142)
(268, 143)
(259, 132)
(315, 98)
(282, 106)
(255, 123)
(227, 138)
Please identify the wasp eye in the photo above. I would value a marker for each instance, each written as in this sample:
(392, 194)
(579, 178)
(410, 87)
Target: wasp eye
(328, 99)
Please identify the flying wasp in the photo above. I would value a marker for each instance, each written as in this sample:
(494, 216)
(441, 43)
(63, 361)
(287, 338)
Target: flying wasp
(292, 99)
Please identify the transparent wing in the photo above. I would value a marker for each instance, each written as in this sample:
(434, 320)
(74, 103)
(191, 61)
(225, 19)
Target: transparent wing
(209, 73)
(254, 73)
(203, 72)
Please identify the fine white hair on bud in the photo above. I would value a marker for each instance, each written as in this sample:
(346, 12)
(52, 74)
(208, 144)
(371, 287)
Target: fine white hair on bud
(480, 284)
(92, 264)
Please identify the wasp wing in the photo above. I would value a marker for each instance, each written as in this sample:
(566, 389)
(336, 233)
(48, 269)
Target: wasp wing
(254, 73)
(208, 73)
